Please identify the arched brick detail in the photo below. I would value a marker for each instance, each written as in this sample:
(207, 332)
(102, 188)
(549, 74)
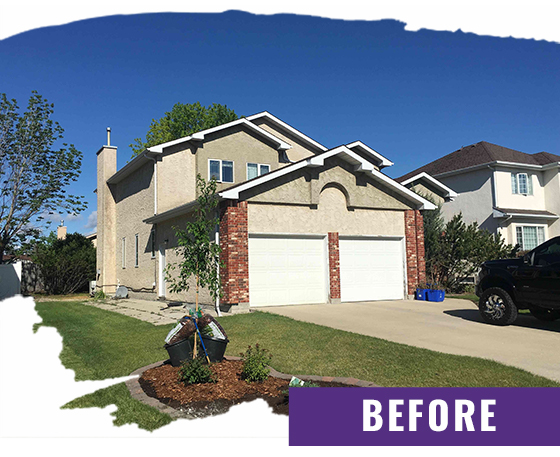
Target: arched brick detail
(234, 241)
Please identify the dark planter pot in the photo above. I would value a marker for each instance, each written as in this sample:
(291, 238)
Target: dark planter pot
(214, 347)
(182, 350)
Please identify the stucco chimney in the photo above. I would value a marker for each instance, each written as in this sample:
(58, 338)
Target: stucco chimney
(106, 218)
(61, 231)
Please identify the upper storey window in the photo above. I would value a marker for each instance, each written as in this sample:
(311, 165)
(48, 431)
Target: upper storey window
(221, 170)
(256, 169)
(521, 183)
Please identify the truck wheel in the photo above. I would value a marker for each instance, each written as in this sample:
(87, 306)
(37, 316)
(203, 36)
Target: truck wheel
(543, 314)
(496, 307)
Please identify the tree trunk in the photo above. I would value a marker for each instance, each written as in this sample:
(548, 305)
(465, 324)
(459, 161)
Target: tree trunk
(195, 315)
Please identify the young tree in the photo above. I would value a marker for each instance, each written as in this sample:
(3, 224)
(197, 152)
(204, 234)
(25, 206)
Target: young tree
(66, 265)
(33, 175)
(196, 246)
(181, 121)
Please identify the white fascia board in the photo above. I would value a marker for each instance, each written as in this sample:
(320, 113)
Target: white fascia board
(200, 136)
(287, 127)
(359, 162)
(131, 166)
(384, 162)
(518, 165)
(450, 193)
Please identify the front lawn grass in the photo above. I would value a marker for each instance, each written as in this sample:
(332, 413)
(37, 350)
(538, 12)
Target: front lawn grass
(99, 344)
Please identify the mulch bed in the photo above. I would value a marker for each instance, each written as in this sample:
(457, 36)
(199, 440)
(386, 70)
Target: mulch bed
(200, 400)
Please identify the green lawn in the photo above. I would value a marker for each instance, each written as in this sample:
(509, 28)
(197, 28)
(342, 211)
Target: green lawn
(100, 344)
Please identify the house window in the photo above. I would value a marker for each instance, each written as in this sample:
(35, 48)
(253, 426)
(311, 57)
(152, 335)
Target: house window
(221, 170)
(256, 169)
(136, 251)
(522, 183)
(529, 236)
(153, 242)
(123, 252)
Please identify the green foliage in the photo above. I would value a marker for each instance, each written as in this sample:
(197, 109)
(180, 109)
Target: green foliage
(181, 121)
(196, 245)
(195, 371)
(99, 295)
(33, 174)
(66, 265)
(255, 364)
(455, 250)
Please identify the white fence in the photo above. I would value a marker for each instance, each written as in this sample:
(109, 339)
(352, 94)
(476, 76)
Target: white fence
(10, 280)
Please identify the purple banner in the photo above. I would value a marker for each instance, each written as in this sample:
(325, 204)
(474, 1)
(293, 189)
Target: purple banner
(371, 416)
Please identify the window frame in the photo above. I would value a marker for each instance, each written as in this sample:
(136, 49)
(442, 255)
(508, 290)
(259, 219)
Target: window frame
(221, 161)
(517, 183)
(539, 241)
(259, 165)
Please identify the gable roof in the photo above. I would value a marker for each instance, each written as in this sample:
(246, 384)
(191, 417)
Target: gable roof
(284, 126)
(423, 176)
(359, 163)
(381, 161)
(480, 154)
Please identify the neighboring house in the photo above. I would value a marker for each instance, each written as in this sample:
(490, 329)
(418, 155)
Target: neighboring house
(504, 190)
(93, 238)
(299, 223)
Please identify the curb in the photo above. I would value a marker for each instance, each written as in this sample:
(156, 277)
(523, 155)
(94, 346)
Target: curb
(138, 393)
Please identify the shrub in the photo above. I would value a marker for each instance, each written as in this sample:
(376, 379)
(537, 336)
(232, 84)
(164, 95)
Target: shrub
(255, 364)
(195, 372)
(99, 295)
(66, 265)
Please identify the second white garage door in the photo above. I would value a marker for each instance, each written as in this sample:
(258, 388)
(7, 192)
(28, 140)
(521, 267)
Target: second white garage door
(371, 269)
(287, 270)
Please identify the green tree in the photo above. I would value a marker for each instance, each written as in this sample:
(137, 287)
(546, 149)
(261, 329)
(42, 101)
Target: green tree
(181, 121)
(197, 247)
(455, 250)
(33, 174)
(66, 265)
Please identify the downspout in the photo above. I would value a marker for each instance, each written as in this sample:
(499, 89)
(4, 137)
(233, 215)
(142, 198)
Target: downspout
(155, 213)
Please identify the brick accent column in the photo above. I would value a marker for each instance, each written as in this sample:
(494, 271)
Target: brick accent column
(234, 241)
(334, 268)
(415, 260)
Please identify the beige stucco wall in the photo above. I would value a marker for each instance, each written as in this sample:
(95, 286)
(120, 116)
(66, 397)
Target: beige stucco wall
(304, 186)
(176, 178)
(300, 149)
(330, 215)
(507, 199)
(239, 145)
(135, 202)
(432, 194)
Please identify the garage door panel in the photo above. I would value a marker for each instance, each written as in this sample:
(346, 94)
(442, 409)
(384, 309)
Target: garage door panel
(371, 269)
(286, 270)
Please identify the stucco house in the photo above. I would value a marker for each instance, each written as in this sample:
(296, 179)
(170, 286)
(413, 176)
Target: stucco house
(506, 191)
(299, 223)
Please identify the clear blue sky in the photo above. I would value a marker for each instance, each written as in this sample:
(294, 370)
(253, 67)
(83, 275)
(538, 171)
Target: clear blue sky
(412, 96)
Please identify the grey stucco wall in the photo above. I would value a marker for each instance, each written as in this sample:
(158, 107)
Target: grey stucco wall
(475, 198)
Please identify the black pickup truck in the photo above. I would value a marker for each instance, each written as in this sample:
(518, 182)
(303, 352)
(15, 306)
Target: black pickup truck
(530, 282)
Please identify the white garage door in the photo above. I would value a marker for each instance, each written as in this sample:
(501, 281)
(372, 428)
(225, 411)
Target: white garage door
(287, 270)
(371, 269)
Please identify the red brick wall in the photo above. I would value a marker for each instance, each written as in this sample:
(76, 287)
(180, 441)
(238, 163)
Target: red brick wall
(234, 241)
(415, 261)
(334, 266)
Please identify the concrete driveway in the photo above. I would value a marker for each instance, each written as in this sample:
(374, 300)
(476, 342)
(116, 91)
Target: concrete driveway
(452, 326)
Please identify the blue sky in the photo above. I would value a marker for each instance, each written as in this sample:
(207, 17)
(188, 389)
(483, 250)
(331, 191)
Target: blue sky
(412, 96)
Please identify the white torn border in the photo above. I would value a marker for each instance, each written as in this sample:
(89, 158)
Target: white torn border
(537, 19)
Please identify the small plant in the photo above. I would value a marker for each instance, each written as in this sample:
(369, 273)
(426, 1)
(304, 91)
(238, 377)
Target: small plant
(195, 371)
(99, 295)
(255, 364)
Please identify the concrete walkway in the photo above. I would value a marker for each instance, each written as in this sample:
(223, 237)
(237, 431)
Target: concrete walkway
(452, 326)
